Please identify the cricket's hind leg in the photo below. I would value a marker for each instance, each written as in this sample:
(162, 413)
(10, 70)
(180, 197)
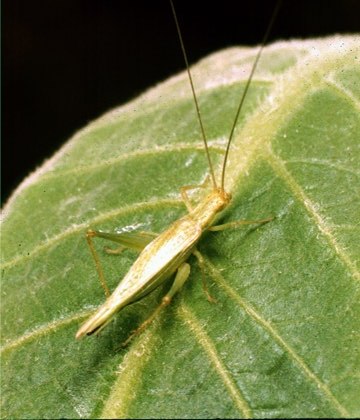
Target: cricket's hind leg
(182, 275)
(131, 240)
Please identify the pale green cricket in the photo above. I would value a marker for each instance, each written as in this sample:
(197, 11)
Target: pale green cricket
(164, 254)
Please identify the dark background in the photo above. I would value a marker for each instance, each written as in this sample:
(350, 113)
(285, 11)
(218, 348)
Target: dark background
(65, 62)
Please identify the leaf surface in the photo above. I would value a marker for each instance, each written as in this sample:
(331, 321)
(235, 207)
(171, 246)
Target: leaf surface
(282, 340)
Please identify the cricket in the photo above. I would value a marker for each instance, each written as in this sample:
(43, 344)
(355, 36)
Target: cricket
(164, 255)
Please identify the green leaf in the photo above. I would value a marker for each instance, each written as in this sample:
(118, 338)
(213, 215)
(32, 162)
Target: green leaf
(282, 339)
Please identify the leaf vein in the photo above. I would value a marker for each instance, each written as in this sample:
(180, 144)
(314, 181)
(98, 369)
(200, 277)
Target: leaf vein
(279, 168)
(43, 330)
(129, 373)
(128, 156)
(343, 92)
(44, 246)
(327, 163)
(205, 341)
(216, 275)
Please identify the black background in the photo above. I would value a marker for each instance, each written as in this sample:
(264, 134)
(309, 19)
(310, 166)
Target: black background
(65, 62)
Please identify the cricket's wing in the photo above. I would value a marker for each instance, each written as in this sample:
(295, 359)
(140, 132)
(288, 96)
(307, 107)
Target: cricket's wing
(158, 260)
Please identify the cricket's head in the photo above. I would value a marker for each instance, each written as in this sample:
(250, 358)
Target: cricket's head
(221, 199)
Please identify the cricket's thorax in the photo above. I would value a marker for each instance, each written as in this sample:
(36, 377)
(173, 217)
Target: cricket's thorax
(206, 211)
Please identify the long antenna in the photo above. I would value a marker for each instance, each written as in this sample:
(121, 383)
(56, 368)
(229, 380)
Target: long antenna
(194, 96)
(242, 99)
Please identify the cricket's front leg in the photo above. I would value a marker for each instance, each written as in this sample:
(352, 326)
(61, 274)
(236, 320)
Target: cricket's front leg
(182, 275)
(186, 188)
(131, 240)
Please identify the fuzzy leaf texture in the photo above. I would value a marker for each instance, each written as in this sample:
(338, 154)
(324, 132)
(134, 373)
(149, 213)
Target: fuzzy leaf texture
(283, 338)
